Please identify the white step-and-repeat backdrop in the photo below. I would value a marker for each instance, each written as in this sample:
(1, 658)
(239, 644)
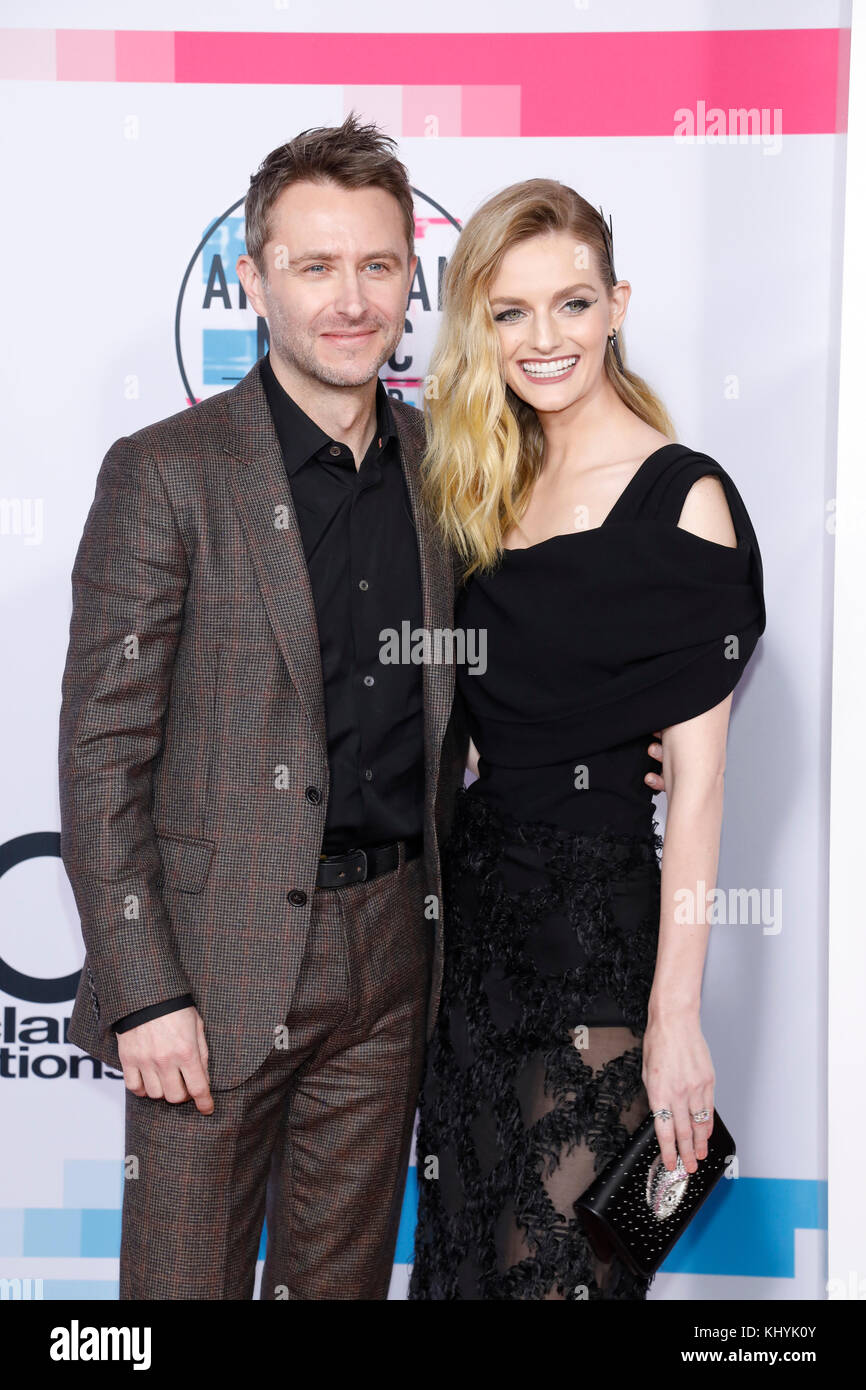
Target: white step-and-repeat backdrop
(715, 137)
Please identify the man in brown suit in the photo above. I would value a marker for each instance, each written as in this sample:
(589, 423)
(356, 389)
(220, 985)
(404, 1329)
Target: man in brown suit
(252, 801)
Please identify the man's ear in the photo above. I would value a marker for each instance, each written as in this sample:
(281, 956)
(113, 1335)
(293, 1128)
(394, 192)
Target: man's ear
(248, 274)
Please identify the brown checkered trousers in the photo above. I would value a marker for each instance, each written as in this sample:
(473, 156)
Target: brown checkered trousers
(192, 724)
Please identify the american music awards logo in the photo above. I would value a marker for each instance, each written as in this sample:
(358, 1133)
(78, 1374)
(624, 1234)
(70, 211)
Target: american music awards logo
(218, 336)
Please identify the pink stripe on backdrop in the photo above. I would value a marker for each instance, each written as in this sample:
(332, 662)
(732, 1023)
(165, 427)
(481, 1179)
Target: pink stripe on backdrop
(571, 84)
(28, 55)
(86, 55)
(146, 56)
(844, 78)
(490, 111)
(431, 110)
(563, 84)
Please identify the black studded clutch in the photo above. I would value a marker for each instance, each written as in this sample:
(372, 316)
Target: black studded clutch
(637, 1209)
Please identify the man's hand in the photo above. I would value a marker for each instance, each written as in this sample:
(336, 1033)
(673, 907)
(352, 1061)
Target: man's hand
(655, 779)
(166, 1058)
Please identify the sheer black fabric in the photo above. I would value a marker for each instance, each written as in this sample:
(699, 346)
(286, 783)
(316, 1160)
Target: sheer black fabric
(534, 1071)
(551, 880)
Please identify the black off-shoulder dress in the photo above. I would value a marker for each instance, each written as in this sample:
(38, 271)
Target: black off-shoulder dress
(551, 879)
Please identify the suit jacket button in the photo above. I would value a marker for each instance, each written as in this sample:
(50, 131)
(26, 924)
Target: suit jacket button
(313, 794)
(298, 897)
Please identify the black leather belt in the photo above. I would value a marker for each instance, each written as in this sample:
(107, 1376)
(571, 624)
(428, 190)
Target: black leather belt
(360, 865)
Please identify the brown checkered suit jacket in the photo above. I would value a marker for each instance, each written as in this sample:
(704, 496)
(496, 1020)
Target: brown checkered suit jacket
(192, 724)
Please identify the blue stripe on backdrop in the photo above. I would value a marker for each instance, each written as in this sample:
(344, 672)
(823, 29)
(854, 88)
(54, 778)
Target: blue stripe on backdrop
(81, 1289)
(745, 1228)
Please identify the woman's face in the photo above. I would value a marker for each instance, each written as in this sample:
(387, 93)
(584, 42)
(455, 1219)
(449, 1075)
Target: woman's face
(553, 317)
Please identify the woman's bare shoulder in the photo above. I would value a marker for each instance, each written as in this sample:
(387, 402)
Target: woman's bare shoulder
(706, 513)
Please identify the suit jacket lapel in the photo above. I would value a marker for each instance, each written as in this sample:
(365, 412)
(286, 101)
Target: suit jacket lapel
(264, 501)
(437, 588)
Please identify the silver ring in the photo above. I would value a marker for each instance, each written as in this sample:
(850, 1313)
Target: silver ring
(662, 1114)
(700, 1116)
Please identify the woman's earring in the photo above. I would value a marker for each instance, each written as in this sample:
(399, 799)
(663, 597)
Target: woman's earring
(612, 339)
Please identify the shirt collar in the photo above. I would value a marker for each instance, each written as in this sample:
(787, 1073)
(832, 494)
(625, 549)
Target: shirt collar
(300, 437)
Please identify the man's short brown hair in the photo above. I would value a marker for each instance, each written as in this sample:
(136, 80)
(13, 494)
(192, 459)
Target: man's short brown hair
(350, 156)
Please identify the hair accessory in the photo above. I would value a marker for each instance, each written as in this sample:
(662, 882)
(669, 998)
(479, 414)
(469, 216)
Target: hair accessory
(607, 227)
(607, 232)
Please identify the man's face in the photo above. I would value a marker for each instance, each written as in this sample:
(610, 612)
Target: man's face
(337, 281)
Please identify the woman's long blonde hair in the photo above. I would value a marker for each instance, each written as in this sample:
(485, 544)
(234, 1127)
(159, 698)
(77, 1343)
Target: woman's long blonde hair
(485, 445)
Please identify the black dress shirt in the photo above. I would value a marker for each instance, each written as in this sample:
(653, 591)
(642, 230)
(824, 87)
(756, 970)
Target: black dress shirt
(361, 550)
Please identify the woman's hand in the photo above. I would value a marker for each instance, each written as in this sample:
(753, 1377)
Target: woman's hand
(472, 759)
(678, 1076)
(656, 779)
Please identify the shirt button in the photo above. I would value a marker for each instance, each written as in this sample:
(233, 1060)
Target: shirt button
(298, 897)
(380, 443)
(335, 450)
(362, 584)
(313, 794)
(368, 774)
(368, 680)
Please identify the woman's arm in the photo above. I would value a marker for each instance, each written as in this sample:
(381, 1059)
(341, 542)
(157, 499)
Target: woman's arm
(652, 779)
(678, 1071)
(677, 1067)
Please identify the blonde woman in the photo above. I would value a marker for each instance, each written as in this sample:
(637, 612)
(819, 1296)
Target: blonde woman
(618, 579)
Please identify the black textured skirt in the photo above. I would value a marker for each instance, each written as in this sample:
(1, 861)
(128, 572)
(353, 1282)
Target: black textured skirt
(533, 1081)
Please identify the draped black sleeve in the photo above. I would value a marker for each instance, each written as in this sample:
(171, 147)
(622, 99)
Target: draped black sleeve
(625, 628)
